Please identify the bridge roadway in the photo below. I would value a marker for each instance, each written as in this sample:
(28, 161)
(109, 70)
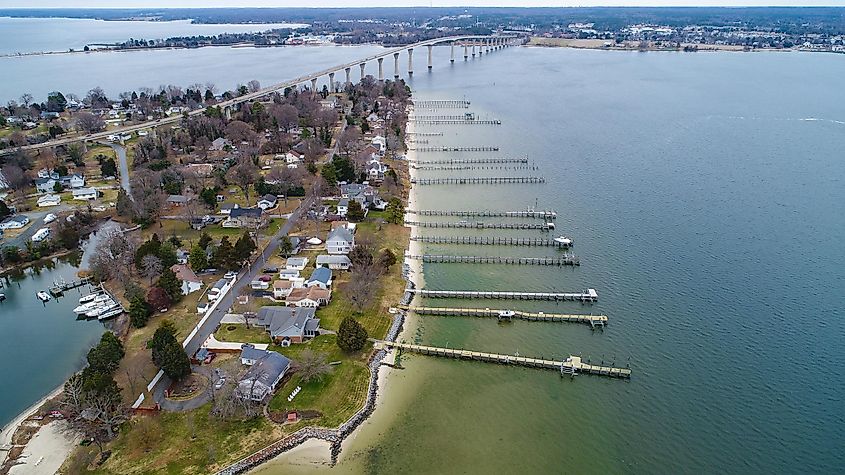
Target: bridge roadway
(501, 42)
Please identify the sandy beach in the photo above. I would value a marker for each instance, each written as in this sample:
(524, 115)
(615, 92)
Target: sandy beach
(9, 429)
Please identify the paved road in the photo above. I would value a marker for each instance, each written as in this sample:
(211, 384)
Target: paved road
(244, 278)
(122, 165)
(36, 222)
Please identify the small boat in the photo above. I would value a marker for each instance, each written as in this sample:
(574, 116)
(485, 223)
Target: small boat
(550, 225)
(98, 301)
(2, 296)
(563, 240)
(97, 311)
(506, 314)
(43, 296)
(117, 310)
(89, 298)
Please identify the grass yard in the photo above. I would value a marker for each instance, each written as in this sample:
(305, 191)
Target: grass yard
(239, 333)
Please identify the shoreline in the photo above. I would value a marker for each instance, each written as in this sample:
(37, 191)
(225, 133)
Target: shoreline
(8, 431)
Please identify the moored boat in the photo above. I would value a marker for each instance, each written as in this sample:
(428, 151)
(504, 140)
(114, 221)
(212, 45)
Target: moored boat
(563, 240)
(43, 296)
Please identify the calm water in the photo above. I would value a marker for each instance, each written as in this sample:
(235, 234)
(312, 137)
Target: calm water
(41, 344)
(33, 35)
(122, 71)
(704, 192)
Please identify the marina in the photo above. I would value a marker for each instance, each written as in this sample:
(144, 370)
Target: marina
(61, 286)
(457, 161)
(570, 366)
(459, 122)
(448, 168)
(561, 241)
(592, 320)
(588, 296)
(565, 260)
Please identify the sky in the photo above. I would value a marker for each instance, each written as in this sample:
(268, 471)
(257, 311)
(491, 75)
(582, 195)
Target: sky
(395, 3)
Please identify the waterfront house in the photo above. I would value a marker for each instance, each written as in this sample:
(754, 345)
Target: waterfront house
(288, 325)
(309, 297)
(244, 218)
(343, 207)
(334, 262)
(340, 241)
(321, 277)
(263, 376)
(267, 201)
(190, 282)
(17, 221)
(281, 289)
(296, 263)
(45, 185)
(363, 193)
(226, 208)
(85, 194)
(250, 354)
(49, 200)
(380, 143)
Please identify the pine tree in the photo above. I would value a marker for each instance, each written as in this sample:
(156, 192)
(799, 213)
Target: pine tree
(139, 312)
(224, 255)
(168, 354)
(170, 284)
(198, 259)
(395, 211)
(204, 241)
(244, 247)
(106, 356)
(351, 336)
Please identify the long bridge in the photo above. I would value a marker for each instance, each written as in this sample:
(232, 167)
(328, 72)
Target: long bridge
(486, 44)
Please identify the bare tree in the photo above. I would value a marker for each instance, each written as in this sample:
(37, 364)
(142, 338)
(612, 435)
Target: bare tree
(350, 143)
(243, 174)
(151, 267)
(89, 122)
(253, 86)
(26, 100)
(113, 257)
(312, 366)
(285, 115)
(238, 131)
(16, 178)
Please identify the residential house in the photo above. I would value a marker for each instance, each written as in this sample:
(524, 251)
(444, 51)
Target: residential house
(289, 274)
(297, 263)
(321, 277)
(363, 193)
(85, 194)
(177, 200)
(190, 282)
(250, 354)
(17, 221)
(376, 170)
(289, 325)
(310, 297)
(244, 218)
(226, 208)
(45, 185)
(343, 207)
(259, 284)
(267, 201)
(49, 200)
(340, 241)
(263, 376)
(48, 173)
(74, 181)
(337, 262)
(380, 143)
(293, 158)
(281, 289)
(219, 144)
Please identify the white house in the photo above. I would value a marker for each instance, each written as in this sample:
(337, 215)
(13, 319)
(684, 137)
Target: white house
(85, 194)
(343, 207)
(321, 277)
(14, 222)
(296, 263)
(45, 185)
(289, 274)
(311, 297)
(340, 241)
(282, 288)
(49, 200)
(267, 201)
(74, 181)
(190, 282)
(338, 262)
(293, 158)
(380, 143)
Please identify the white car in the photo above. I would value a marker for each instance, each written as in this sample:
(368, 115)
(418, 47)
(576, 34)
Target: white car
(230, 275)
(219, 384)
(50, 218)
(202, 307)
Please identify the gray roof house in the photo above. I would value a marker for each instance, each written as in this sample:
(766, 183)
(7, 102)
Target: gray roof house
(289, 324)
(267, 201)
(263, 376)
(338, 262)
(250, 354)
(244, 217)
(340, 241)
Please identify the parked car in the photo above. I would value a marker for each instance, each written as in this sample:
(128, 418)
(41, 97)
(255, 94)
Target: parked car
(220, 382)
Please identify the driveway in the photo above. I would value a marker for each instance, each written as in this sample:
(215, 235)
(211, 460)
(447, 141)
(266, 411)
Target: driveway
(187, 404)
(36, 222)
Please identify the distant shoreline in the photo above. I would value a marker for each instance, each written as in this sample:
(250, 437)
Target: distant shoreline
(602, 45)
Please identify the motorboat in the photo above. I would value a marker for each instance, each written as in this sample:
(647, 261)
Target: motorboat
(98, 301)
(564, 241)
(2, 296)
(97, 311)
(43, 296)
(550, 225)
(116, 310)
(90, 297)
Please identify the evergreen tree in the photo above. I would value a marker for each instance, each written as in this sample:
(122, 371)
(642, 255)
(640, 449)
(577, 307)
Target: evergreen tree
(355, 212)
(285, 246)
(244, 247)
(139, 312)
(153, 246)
(168, 354)
(224, 254)
(198, 258)
(4, 210)
(106, 356)
(170, 284)
(204, 241)
(395, 211)
(167, 254)
(351, 336)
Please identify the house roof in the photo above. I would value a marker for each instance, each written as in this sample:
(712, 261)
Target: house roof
(340, 234)
(177, 199)
(220, 284)
(282, 284)
(297, 261)
(269, 197)
(344, 202)
(249, 352)
(285, 321)
(184, 273)
(264, 372)
(314, 293)
(321, 274)
(229, 206)
(248, 212)
(332, 259)
(83, 191)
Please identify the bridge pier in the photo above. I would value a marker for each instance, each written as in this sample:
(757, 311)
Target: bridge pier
(481, 48)
(473, 49)
(465, 52)
(396, 65)
(362, 66)
(430, 47)
(331, 83)
(381, 69)
(452, 45)
(227, 111)
(410, 61)
(348, 78)
(314, 87)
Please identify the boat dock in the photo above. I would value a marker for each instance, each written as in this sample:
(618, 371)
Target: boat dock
(61, 286)
(478, 225)
(460, 161)
(425, 134)
(442, 104)
(592, 320)
(454, 168)
(457, 122)
(467, 116)
(565, 260)
(456, 149)
(544, 214)
(571, 366)
(491, 241)
(479, 180)
(590, 295)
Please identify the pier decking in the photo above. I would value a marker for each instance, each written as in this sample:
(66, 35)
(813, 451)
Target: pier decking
(491, 241)
(479, 180)
(458, 122)
(542, 214)
(60, 287)
(462, 161)
(501, 314)
(571, 366)
(565, 260)
(442, 104)
(456, 149)
(479, 225)
(590, 295)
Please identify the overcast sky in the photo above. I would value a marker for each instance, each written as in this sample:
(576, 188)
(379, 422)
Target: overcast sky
(394, 3)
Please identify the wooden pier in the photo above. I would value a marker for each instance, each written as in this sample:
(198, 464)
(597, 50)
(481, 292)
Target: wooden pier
(570, 366)
(541, 214)
(459, 122)
(478, 225)
(442, 104)
(565, 260)
(588, 296)
(456, 149)
(479, 180)
(466, 161)
(425, 134)
(491, 241)
(592, 320)
(60, 287)
(457, 168)
(467, 116)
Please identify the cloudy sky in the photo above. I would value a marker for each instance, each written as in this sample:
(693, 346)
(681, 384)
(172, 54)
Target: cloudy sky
(379, 3)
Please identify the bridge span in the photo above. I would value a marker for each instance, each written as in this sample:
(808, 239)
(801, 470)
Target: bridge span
(485, 44)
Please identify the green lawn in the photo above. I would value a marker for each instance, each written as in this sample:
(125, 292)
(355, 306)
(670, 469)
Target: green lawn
(241, 334)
